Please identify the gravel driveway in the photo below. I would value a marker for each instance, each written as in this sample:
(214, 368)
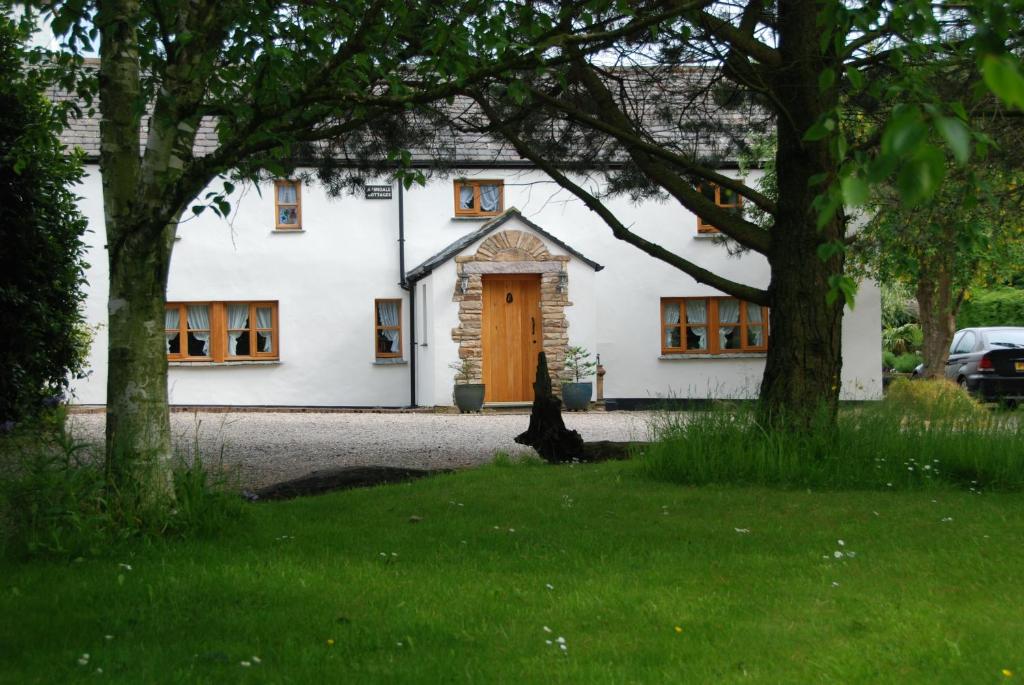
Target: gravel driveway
(266, 447)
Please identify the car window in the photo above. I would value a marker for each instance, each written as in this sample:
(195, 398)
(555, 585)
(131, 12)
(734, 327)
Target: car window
(966, 343)
(956, 341)
(1007, 338)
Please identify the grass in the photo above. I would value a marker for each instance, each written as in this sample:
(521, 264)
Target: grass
(924, 435)
(648, 582)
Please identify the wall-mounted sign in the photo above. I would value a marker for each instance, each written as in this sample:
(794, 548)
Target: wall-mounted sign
(378, 192)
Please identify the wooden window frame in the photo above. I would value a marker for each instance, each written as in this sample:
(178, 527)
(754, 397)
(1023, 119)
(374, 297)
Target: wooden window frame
(219, 332)
(377, 328)
(475, 184)
(278, 205)
(713, 324)
(704, 226)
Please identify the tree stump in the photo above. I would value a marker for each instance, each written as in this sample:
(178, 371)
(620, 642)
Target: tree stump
(547, 432)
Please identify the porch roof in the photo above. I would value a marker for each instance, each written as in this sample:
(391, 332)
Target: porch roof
(417, 273)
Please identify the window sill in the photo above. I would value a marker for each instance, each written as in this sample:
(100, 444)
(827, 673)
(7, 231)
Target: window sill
(241, 362)
(727, 355)
(389, 361)
(288, 230)
(708, 236)
(482, 217)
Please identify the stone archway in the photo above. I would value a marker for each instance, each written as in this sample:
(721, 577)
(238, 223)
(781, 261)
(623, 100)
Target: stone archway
(513, 252)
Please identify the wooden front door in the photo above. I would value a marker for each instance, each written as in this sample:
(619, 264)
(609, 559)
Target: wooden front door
(511, 336)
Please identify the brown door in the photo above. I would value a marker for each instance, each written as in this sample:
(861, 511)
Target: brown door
(510, 336)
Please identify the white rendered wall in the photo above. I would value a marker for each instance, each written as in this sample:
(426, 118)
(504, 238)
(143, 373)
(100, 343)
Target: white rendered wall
(326, 278)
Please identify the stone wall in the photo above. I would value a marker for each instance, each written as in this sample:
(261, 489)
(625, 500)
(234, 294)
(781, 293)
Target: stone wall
(513, 252)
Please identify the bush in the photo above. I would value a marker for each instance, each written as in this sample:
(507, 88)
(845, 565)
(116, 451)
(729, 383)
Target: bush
(906, 363)
(996, 307)
(933, 400)
(888, 359)
(902, 339)
(41, 267)
(927, 434)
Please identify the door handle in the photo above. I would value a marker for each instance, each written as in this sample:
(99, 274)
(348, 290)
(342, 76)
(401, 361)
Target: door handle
(533, 326)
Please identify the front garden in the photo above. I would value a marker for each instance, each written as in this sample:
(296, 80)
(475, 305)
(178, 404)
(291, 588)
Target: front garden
(887, 550)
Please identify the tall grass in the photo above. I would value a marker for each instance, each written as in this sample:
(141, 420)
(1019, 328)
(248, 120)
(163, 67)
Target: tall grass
(924, 434)
(56, 502)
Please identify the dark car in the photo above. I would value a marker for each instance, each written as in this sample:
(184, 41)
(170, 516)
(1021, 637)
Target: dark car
(988, 362)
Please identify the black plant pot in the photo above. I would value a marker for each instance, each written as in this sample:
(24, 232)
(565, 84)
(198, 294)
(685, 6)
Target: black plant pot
(469, 397)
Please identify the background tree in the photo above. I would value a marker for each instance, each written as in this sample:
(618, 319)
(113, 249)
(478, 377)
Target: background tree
(267, 84)
(806, 69)
(41, 268)
(970, 234)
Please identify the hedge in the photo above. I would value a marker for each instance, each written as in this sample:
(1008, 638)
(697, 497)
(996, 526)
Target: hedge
(996, 307)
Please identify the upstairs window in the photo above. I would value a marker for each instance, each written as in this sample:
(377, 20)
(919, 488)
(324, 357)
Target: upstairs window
(712, 325)
(221, 331)
(479, 198)
(722, 197)
(287, 205)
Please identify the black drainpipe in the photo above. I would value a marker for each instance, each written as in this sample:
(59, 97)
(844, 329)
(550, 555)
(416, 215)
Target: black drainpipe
(411, 288)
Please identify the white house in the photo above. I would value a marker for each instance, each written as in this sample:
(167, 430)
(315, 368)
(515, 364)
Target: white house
(364, 301)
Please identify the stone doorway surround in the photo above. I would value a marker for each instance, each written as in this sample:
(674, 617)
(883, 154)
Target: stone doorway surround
(513, 252)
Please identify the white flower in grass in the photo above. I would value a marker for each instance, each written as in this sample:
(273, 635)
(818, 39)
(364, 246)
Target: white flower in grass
(564, 648)
(841, 543)
(547, 642)
(742, 531)
(550, 587)
(108, 638)
(126, 567)
(256, 660)
(560, 640)
(546, 629)
(244, 664)
(99, 671)
(835, 583)
(837, 554)
(83, 660)
(947, 519)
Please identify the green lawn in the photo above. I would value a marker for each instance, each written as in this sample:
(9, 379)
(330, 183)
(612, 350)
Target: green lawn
(646, 582)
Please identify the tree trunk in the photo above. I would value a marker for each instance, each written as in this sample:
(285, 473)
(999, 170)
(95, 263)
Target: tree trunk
(802, 373)
(937, 312)
(138, 446)
(138, 424)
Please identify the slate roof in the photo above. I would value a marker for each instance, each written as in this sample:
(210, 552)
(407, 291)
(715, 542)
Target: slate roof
(667, 106)
(423, 270)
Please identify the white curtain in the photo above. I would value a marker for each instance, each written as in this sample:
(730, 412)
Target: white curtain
(755, 333)
(489, 198)
(697, 312)
(466, 197)
(672, 317)
(728, 312)
(387, 314)
(286, 194)
(238, 318)
(199, 317)
(265, 320)
(172, 321)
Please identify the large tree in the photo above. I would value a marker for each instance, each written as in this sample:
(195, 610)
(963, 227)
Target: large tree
(267, 84)
(661, 113)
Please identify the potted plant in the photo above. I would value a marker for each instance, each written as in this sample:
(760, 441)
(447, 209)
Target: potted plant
(468, 396)
(576, 395)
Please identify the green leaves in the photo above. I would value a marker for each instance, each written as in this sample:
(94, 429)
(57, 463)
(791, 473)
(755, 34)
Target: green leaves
(841, 286)
(855, 190)
(1002, 76)
(957, 137)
